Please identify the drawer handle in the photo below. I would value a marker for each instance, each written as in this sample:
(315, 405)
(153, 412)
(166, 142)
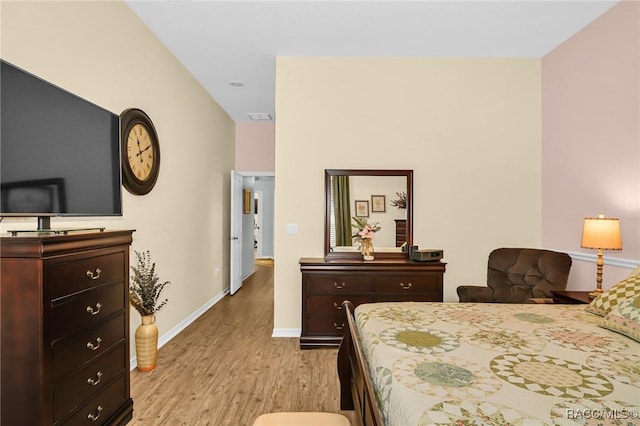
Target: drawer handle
(95, 417)
(406, 286)
(95, 346)
(338, 307)
(94, 275)
(94, 311)
(338, 327)
(336, 285)
(94, 382)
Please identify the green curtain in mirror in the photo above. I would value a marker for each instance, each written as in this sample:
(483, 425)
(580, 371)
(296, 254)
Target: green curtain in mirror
(341, 209)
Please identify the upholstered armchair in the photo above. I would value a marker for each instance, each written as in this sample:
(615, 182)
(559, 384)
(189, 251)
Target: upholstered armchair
(520, 275)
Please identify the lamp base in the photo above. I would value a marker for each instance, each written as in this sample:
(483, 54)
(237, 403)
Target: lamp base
(595, 293)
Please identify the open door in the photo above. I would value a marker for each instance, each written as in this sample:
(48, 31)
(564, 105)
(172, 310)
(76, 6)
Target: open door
(235, 267)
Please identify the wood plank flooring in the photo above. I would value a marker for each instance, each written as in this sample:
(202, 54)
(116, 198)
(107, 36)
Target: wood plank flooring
(226, 369)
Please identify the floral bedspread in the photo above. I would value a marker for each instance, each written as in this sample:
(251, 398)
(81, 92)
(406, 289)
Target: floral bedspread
(498, 364)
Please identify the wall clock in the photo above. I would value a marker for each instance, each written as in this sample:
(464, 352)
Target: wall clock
(140, 151)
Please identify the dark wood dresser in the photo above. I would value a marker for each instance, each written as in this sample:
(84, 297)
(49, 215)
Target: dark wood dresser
(401, 231)
(327, 283)
(571, 297)
(65, 329)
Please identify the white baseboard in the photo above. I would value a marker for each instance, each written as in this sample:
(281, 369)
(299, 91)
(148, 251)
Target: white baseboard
(133, 362)
(612, 261)
(286, 332)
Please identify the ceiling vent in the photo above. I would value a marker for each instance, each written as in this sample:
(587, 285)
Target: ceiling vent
(260, 116)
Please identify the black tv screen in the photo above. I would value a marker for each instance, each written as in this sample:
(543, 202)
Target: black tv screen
(59, 153)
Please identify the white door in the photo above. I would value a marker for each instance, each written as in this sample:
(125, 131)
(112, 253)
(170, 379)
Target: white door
(236, 232)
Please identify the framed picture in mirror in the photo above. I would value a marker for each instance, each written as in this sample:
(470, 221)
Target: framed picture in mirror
(362, 208)
(378, 204)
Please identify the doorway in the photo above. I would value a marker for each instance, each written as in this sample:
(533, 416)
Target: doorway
(255, 243)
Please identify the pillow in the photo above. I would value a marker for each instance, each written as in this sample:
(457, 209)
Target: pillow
(625, 318)
(628, 288)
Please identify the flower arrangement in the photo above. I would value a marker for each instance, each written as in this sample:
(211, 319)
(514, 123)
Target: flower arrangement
(365, 230)
(144, 292)
(401, 201)
(365, 233)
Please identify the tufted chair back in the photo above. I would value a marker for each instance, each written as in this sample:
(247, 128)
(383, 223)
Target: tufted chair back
(515, 275)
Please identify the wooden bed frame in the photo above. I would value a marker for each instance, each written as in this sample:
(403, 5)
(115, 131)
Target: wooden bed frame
(356, 389)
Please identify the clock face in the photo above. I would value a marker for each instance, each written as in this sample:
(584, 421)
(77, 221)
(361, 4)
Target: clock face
(140, 152)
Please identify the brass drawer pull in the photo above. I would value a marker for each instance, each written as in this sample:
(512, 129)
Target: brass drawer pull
(94, 382)
(94, 311)
(341, 285)
(338, 307)
(94, 275)
(406, 286)
(338, 327)
(95, 346)
(95, 417)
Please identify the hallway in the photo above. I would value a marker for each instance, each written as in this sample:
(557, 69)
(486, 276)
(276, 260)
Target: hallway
(226, 369)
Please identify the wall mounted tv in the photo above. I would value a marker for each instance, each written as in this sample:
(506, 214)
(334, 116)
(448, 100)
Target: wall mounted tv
(59, 153)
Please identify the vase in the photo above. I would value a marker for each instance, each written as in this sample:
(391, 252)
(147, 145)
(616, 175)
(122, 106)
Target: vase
(367, 249)
(147, 343)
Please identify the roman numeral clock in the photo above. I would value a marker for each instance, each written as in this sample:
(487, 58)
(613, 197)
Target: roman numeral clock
(140, 151)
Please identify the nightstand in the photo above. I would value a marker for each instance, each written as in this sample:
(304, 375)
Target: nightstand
(571, 297)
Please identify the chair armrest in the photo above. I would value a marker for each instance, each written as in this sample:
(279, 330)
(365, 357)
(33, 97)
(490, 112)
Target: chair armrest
(475, 293)
(540, 300)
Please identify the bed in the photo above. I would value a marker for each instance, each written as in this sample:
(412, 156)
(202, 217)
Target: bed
(422, 363)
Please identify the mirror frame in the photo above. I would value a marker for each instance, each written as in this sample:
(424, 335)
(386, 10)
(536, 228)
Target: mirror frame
(330, 255)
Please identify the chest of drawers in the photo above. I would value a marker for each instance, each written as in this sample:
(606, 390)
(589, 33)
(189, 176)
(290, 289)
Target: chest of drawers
(401, 231)
(65, 329)
(326, 284)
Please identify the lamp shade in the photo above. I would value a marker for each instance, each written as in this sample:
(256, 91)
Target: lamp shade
(601, 233)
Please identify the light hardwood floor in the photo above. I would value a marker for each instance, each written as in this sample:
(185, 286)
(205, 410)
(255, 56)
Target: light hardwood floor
(226, 369)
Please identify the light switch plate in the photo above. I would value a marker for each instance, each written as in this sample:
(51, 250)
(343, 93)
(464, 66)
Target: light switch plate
(292, 228)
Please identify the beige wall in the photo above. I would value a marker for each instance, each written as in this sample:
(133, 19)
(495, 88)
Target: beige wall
(469, 128)
(104, 53)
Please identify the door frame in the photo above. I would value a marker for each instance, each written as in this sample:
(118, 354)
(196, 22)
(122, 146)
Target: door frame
(235, 254)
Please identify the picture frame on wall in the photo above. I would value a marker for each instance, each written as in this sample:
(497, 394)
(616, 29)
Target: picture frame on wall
(378, 204)
(246, 201)
(362, 208)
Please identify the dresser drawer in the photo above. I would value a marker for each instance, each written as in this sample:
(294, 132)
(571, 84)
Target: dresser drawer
(406, 284)
(333, 304)
(76, 275)
(73, 351)
(409, 297)
(329, 325)
(338, 283)
(102, 406)
(86, 309)
(72, 392)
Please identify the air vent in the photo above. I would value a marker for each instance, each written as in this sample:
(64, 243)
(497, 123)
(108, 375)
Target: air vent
(260, 116)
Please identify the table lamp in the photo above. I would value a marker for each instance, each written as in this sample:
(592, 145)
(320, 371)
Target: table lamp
(601, 233)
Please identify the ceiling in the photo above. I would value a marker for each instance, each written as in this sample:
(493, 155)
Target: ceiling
(221, 42)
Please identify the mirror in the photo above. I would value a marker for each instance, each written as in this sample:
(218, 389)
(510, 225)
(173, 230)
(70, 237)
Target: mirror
(373, 195)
